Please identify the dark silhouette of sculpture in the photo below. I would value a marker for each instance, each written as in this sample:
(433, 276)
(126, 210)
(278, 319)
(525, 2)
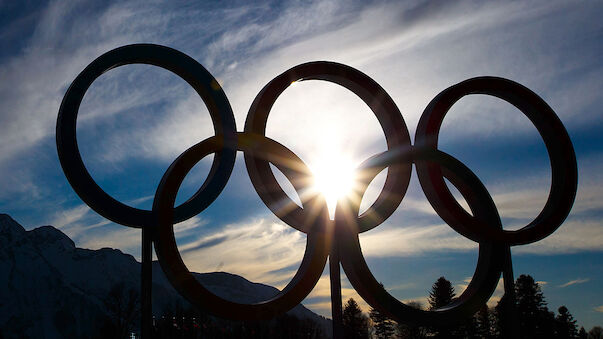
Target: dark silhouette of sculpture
(334, 239)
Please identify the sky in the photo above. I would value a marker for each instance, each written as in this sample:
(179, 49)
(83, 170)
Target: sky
(135, 120)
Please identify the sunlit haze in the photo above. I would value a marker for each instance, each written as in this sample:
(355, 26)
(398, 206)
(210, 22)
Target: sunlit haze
(333, 177)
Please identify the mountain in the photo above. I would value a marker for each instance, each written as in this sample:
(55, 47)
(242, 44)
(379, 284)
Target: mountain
(52, 289)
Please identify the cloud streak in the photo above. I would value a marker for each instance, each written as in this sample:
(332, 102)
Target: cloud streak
(260, 249)
(574, 282)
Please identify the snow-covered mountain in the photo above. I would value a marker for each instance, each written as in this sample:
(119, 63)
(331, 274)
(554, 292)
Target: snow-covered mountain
(51, 289)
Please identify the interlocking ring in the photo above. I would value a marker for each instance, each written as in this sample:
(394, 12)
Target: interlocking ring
(491, 253)
(315, 212)
(382, 105)
(483, 225)
(564, 171)
(195, 75)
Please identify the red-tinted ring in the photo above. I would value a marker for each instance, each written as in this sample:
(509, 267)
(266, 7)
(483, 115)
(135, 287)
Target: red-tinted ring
(489, 264)
(386, 111)
(311, 267)
(564, 172)
(195, 75)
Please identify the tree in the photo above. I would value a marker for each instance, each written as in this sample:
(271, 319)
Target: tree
(410, 331)
(384, 327)
(582, 333)
(566, 325)
(595, 333)
(482, 323)
(535, 320)
(183, 321)
(466, 329)
(122, 309)
(355, 323)
(441, 293)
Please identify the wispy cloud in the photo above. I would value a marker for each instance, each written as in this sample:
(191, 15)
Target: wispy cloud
(260, 249)
(384, 241)
(245, 52)
(70, 216)
(126, 239)
(190, 225)
(574, 282)
(574, 236)
(79, 223)
(519, 201)
(341, 29)
(599, 308)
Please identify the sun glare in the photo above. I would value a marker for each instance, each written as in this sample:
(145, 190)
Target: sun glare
(334, 177)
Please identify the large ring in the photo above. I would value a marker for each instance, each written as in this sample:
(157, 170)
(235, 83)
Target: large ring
(204, 84)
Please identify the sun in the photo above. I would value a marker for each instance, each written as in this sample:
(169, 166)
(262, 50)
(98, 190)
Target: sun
(334, 177)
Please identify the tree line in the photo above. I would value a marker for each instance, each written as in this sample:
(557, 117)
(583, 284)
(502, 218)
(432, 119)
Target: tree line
(183, 321)
(529, 313)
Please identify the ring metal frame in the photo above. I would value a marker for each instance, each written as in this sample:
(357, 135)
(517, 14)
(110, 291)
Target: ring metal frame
(318, 241)
(564, 171)
(483, 225)
(382, 105)
(195, 75)
(490, 259)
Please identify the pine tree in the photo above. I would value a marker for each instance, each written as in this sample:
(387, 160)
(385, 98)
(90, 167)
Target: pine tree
(466, 329)
(355, 323)
(535, 320)
(483, 324)
(410, 331)
(566, 325)
(441, 293)
(595, 333)
(384, 327)
(582, 333)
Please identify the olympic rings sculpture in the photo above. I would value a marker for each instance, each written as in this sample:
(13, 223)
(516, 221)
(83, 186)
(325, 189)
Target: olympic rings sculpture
(483, 225)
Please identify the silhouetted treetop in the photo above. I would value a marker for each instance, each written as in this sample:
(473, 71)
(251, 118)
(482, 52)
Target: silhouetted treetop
(441, 293)
(355, 323)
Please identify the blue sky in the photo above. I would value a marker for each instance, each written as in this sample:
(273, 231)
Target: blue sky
(135, 120)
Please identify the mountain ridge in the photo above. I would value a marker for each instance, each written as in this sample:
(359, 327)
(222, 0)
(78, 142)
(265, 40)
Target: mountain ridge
(56, 290)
